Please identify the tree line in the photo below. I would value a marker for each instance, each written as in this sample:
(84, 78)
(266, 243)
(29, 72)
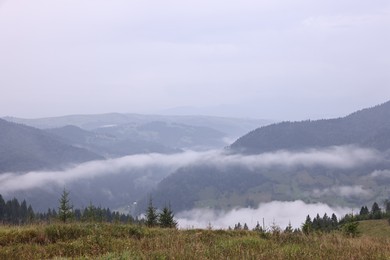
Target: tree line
(12, 212)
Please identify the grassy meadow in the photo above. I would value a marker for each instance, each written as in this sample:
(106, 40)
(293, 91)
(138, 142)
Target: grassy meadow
(118, 241)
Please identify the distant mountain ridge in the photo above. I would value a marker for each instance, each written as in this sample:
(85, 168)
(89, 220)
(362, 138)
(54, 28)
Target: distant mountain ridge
(24, 148)
(230, 126)
(115, 135)
(369, 127)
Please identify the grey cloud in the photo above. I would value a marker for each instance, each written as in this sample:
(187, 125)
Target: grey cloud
(343, 191)
(280, 213)
(380, 173)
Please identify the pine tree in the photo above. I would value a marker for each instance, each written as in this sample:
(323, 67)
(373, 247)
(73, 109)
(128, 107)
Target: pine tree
(307, 227)
(166, 218)
(30, 214)
(364, 211)
(376, 211)
(23, 212)
(238, 226)
(65, 210)
(151, 215)
(334, 221)
(2, 209)
(257, 227)
(289, 228)
(386, 203)
(245, 227)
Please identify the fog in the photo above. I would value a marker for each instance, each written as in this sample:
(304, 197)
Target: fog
(341, 157)
(343, 191)
(279, 213)
(380, 173)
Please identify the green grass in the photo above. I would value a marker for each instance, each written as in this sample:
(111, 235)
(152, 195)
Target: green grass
(375, 228)
(115, 241)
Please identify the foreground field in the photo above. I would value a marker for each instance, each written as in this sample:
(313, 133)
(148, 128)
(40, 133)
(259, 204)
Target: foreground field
(114, 241)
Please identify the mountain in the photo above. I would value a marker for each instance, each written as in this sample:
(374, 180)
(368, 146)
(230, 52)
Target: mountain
(24, 148)
(168, 134)
(368, 127)
(226, 188)
(343, 161)
(232, 127)
(109, 142)
(115, 135)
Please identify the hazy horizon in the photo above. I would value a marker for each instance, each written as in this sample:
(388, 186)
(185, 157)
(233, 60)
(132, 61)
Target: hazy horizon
(253, 59)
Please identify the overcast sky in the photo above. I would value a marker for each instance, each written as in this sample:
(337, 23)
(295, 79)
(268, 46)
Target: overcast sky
(273, 59)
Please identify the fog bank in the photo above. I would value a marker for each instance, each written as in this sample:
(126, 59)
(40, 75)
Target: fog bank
(338, 157)
(280, 213)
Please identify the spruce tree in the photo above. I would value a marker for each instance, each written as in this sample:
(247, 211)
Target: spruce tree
(245, 227)
(334, 221)
(166, 218)
(151, 215)
(307, 227)
(65, 210)
(289, 228)
(376, 211)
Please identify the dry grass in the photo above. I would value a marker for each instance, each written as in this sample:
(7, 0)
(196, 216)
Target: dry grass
(110, 241)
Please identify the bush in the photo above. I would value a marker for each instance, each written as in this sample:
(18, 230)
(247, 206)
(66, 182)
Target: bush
(351, 229)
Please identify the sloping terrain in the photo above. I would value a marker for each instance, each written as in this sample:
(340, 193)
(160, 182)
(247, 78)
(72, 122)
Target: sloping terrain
(343, 161)
(109, 142)
(368, 127)
(24, 148)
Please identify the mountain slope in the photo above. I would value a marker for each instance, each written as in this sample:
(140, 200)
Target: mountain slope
(367, 127)
(304, 169)
(24, 148)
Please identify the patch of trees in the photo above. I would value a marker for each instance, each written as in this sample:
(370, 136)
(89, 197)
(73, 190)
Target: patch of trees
(15, 213)
(375, 212)
(12, 212)
(164, 219)
(324, 223)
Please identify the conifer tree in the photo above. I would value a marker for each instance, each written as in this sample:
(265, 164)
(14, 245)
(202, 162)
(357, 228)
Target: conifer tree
(307, 227)
(65, 210)
(166, 218)
(151, 215)
(334, 221)
(289, 228)
(245, 227)
(376, 211)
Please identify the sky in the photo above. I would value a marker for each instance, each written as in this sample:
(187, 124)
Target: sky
(274, 59)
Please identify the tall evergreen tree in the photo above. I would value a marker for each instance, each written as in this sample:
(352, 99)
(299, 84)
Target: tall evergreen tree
(30, 214)
(386, 203)
(376, 211)
(289, 228)
(307, 227)
(364, 211)
(334, 220)
(23, 212)
(65, 210)
(2, 208)
(151, 215)
(166, 218)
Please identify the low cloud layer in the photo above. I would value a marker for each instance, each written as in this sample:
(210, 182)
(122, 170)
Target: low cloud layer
(343, 191)
(380, 173)
(343, 157)
(276, 212)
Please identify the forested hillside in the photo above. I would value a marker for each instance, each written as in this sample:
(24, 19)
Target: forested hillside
(368, 127)
(23, 148)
